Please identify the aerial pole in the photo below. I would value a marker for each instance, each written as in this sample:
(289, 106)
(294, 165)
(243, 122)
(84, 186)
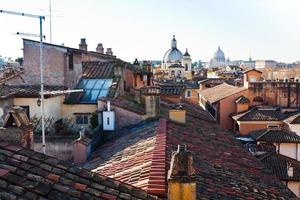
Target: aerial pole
(41, 18)
(50, 10)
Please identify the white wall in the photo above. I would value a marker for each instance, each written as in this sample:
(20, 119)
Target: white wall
(295, 128)
(289, 150)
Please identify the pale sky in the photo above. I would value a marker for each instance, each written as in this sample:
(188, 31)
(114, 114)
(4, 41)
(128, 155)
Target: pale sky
(143, 29)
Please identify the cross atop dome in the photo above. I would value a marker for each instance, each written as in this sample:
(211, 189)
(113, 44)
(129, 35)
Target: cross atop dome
(174, 43)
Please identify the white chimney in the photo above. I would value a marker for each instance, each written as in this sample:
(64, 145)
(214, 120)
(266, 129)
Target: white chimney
(108, 105)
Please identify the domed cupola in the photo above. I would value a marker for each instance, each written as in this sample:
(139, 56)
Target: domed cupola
(219, 55)
(173, 55)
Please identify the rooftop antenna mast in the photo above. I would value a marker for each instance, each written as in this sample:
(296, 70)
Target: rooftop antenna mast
(50, 10)
(41, 36)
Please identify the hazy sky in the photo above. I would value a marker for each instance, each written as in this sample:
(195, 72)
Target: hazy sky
(266, 29)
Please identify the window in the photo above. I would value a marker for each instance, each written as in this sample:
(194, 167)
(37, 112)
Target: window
(94, 88)
(188, 93)
(273, 126)
(186, 67)
(173, 73)
(107, 121)
(82, 119)
(71, 63)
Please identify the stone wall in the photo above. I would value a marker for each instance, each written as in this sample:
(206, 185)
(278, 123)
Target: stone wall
(61, 149)
(276, 93)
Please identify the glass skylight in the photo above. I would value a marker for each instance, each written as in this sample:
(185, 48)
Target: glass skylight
(94, 88)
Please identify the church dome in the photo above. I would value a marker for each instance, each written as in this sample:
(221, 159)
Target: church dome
(173, 55)
(219, 55)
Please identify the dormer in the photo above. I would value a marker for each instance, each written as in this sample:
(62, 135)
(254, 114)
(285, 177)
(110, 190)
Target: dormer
(242, 104)
(251, 76)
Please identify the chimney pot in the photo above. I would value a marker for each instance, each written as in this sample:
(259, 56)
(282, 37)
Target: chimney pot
(151, 98)
(100, 48)
(83, 45)
(109, 51)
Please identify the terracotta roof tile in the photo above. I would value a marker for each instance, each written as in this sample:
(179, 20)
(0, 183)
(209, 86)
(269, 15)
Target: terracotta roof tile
(278, 164)
(261, 113)
(219, 92)
(41, 177)
(98, 69)
(125, 103)
(275, 136)
(137, 157)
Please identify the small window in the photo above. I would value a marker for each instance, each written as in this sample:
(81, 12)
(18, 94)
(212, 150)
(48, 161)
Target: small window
(107, 121)
(273, 126)
(82, 119)
(188, 93)
(186, 67)
(71, 62)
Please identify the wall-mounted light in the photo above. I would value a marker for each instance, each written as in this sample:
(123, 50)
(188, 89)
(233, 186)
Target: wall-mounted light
(38, 102)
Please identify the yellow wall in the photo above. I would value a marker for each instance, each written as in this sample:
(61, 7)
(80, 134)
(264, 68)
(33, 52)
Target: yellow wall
(52, 106)
(246, 127)
(188, 75)
(242, 107)
(294, 186)
(69, 110)
(177, 115)
(181, 191)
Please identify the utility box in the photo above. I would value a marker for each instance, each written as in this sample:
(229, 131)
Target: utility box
(108, 120)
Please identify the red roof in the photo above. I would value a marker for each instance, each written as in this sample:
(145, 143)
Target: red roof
(137, 158)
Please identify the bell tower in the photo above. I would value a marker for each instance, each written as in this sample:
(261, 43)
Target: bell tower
(187, 64)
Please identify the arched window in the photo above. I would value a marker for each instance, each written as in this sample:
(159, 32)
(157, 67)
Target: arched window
(186, 67)
(173, 73)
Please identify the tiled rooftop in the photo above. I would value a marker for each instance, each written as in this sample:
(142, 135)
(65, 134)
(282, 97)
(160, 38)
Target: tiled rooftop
(261, 114)
(33, 91)
(97, 69)
(125, 103)
(278, 164)
(219, 92)
(275, 136)
(242, 99)
(172, 89)
(137, 157)
(9, 73)
(224, 169)
(25, 174)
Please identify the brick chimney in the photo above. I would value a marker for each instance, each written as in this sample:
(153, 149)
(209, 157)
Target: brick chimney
(83, 45)
(181, 176)
(109, 51)
(17, 128)
(82, 148)
(100, 48)
(150, 97)
(177, 113)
